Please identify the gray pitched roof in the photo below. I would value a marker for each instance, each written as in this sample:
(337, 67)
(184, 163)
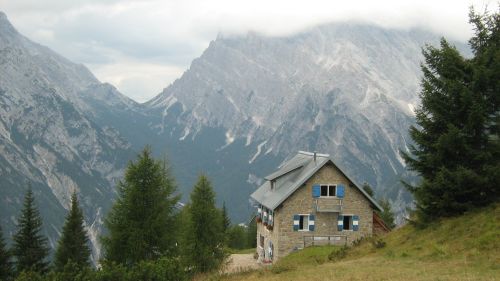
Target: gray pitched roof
(291, 175)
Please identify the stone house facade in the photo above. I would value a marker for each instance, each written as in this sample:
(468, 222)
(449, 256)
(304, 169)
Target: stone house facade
(310, 201)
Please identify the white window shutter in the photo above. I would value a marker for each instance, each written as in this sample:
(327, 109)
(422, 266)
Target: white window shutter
(311, 222)
(340, 223)
(355, 223)
(296, 219)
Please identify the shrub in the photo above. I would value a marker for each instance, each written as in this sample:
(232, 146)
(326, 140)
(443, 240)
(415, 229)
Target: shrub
(338, 254)
(378, 243)
(29, 276)
(164, 269)
(112, 272)
(358, 241)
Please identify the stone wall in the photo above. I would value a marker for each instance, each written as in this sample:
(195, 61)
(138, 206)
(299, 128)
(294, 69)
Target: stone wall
(286, 240)
(269, 235)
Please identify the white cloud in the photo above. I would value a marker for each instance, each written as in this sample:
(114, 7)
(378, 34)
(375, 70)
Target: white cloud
(123, 40)
(141, 81)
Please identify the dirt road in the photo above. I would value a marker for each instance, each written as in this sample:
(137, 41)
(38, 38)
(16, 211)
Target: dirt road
(241, 262)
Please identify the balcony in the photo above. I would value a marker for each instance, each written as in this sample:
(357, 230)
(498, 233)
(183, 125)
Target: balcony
(313, 240)
(329, 205)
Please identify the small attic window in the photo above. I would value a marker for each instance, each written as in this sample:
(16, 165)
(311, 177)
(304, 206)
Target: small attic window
(273, 184)
(328, 190)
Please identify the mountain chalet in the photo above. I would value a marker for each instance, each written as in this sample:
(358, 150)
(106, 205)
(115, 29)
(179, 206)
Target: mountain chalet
(310, 201)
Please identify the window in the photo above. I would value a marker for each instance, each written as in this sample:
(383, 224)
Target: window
(304, 222)
(261, 242)
(328, 190)
(347, 222)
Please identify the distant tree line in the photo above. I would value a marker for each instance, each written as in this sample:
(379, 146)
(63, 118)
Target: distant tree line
(456, 147)
(146, 237)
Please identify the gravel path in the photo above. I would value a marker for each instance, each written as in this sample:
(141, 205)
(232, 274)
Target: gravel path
(241, 262)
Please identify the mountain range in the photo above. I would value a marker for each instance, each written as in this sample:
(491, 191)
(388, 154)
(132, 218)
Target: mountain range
(244, 106)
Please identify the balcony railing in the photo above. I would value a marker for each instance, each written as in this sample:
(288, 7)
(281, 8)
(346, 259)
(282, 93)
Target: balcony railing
(329, 205)
(312, 240)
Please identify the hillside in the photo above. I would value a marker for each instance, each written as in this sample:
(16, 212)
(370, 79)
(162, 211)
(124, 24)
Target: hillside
(462, 248)
(51, 137)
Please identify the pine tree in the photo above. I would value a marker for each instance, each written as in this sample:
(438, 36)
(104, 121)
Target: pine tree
(30, 246)
(203, 245)
(5, 259)
(386, 214)
(73, 245)
(457, 147)
(226, 222)
(141, 224)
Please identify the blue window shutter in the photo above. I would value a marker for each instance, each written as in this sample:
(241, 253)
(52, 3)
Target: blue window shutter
(296, 219)
(340, 191)
(355, 223)
(311, 222)
(340, 223)
(316, 192)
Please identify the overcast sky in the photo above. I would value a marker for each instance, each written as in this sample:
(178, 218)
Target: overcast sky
(141, 46)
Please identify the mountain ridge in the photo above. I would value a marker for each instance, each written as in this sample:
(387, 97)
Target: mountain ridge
(344, 89)
(244, 106)
(49, 138)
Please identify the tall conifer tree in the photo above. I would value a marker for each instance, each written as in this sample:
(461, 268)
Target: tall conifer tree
(226, 222)
(141, 224)
(204, 239)
(30, 246)
(73, 246)
(5, 259)
(457, 149)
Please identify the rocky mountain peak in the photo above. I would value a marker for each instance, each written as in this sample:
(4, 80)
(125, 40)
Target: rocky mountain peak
(348, 89)
(7, 30)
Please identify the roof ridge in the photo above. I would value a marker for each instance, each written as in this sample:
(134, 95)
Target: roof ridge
(312, 153)
(260, 193)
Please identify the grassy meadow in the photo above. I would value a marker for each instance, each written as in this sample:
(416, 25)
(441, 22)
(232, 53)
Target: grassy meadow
(460, 248)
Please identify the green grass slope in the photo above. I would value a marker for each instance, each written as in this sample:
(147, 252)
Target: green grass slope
(461, 248)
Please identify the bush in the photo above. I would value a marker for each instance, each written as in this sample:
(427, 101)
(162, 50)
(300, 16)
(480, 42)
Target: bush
(29, 276)
(358, 241)
(164, 269)
(378, 243)
(112, 272)
(161, 270)
(338, 254)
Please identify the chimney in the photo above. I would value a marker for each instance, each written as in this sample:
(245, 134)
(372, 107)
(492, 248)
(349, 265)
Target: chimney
(314, 156)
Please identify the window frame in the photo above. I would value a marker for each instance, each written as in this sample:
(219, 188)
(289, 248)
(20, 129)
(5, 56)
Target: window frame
(306, 223)
(328, 195)
(350, 222)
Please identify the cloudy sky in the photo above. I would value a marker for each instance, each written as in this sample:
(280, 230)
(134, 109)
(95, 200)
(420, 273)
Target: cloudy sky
(141, 46)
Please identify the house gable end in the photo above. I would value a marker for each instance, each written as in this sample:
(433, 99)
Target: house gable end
(293, 176)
